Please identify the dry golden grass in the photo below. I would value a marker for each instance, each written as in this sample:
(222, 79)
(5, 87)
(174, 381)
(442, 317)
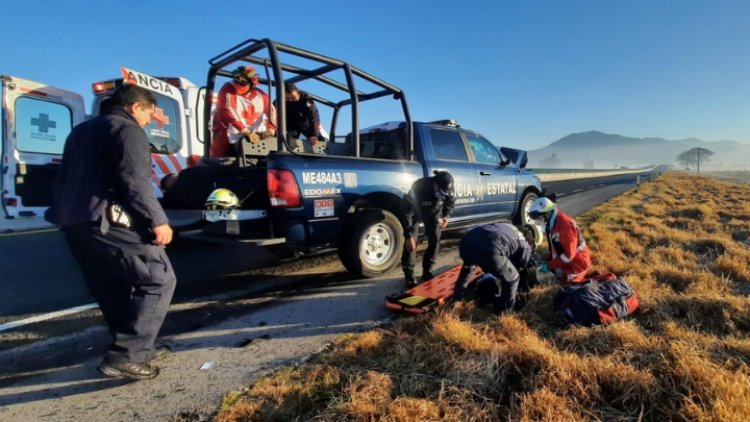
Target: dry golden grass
(685, 355)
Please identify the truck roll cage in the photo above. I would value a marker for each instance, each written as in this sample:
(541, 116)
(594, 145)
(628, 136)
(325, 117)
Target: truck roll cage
(266, 53)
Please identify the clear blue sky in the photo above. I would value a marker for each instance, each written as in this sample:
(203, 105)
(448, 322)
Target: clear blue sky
(523, 73)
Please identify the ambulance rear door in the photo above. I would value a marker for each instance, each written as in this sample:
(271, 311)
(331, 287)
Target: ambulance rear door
(36, 120)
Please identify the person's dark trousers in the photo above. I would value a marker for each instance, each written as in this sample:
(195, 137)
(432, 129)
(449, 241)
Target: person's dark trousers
(409, 258)
(132, 282)
(433, 231)
(501, 267)
(407, 263)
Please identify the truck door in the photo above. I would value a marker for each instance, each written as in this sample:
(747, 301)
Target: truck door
(36, 120)
(498, 179)
(449, 153)
(167, 132)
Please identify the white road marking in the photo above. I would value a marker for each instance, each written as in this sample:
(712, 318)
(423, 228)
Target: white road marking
(44, 317)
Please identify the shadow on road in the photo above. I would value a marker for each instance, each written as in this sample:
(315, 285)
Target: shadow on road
(316, 304)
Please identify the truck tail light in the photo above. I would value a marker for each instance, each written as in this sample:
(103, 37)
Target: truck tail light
(193, 160)
(282, 189)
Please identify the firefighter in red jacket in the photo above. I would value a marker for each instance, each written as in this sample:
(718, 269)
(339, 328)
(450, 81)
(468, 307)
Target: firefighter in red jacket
(569, 257)
(242, 110)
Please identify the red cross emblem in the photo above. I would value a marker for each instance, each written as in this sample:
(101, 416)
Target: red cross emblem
(160, 118)
(249, 115)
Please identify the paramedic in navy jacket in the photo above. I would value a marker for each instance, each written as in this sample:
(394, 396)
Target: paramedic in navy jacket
(120, 250)
(499, 249)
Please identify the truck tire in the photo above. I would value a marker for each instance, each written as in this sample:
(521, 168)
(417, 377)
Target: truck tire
(521, 218)
(374, 243)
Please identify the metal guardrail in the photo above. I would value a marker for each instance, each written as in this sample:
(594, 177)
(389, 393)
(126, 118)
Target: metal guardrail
(548, 175)
(558, 171)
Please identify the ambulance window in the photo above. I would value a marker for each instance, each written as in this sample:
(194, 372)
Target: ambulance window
(447, 145)
(42, 126)
(163, 131)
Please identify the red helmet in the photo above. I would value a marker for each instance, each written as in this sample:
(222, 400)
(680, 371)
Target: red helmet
(245, 75)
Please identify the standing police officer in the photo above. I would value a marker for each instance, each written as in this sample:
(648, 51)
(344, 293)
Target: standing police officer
(116, 229)
(431, 201)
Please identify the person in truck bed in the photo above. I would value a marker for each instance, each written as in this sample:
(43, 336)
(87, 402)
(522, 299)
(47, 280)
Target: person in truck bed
(242, 110)
(302, 117)
(430, 200)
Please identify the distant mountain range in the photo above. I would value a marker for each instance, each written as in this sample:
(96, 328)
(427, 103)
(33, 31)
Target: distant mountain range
(600, 150)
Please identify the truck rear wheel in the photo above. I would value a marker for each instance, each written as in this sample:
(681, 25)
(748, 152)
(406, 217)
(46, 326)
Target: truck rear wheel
(373, 245)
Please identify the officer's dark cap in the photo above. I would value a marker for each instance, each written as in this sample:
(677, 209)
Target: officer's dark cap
(444, 181)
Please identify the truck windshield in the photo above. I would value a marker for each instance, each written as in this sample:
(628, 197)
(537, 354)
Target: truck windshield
(484, 151)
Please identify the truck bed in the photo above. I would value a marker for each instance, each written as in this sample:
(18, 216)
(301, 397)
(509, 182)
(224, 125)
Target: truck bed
(189, 189)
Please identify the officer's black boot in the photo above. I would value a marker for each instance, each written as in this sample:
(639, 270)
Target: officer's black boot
(409, 279)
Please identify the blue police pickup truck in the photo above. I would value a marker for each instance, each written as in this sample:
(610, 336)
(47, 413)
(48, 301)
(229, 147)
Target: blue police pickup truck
(343, 192)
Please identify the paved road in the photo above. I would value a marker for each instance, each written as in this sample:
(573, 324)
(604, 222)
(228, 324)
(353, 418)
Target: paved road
(39, 274)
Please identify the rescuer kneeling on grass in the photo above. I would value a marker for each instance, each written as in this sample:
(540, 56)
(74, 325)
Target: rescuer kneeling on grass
(500, 250)
(568, 256)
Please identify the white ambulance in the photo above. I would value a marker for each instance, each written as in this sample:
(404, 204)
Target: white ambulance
(36, 120)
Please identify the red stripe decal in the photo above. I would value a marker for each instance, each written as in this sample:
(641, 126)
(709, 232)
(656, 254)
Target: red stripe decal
(175, 163)
(162, 165)
(33, 92)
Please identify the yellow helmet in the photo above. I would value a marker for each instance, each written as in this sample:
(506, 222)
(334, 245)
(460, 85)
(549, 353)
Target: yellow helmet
(222, 199)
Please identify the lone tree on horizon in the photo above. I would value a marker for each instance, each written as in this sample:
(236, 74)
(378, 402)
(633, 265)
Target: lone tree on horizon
(695, 155)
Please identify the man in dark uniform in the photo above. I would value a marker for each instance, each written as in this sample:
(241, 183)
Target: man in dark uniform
(302, 115)
(500, 250)
(116, 229)
(430, 200)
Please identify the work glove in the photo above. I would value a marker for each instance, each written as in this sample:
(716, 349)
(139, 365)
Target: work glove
(268, 134)
(543, 267)
(252, 137)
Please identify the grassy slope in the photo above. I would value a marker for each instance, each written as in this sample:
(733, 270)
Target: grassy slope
(682, 244)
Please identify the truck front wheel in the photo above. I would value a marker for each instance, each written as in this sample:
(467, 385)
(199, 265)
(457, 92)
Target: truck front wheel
(522, 217)
(373, 245)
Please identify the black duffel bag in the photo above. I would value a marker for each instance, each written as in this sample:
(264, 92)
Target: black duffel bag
(598, 300)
